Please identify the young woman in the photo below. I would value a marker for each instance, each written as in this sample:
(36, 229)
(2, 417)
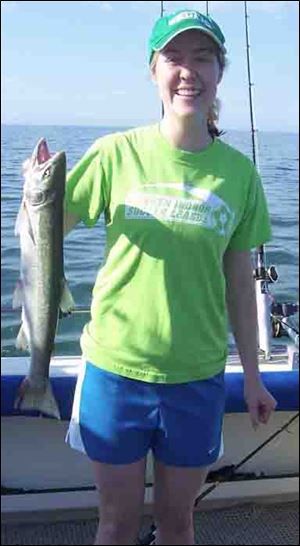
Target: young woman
(183, 210)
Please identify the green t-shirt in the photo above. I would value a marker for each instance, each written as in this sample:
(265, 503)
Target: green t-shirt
(158, 311)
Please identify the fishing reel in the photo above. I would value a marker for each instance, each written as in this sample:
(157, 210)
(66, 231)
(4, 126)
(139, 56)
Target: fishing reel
(280, 312)
(269, 275)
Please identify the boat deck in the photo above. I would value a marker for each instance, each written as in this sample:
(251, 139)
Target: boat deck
(243, 524)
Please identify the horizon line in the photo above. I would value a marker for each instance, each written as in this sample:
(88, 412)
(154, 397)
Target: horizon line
(241, 129)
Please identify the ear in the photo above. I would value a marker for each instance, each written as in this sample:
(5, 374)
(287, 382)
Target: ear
(153, 73)
(220, 76)
(153, 64)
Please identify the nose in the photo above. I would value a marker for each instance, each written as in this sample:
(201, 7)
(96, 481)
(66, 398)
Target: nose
(187, 73)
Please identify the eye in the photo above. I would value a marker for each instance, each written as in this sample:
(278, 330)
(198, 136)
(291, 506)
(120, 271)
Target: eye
(47, 172)
(172, 60)
(203, 59)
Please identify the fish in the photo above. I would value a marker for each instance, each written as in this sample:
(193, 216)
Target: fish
(42, 291)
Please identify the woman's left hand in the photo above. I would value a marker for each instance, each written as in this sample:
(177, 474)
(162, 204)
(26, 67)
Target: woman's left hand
(260, 402)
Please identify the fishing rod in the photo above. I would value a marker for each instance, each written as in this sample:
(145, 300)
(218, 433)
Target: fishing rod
(261, 275)
(231, 470)
(162, 9)
(79, 309)
(162, 12)
(228, 475)
(263, 309)
(251, 101)
(280, 324)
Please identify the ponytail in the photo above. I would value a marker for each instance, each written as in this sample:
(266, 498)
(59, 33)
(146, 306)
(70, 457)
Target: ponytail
(212, 118)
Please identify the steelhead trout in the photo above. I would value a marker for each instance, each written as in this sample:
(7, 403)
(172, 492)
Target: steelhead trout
(42, 290)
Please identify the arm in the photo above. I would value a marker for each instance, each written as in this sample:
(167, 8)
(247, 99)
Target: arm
(84, 193)
(70, 221)
(242, 311)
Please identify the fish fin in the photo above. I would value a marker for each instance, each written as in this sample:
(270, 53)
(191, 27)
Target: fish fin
(37, 399)
(18, 295)
(67, 303)
(23, 223)
(20, 218)
(22, 342)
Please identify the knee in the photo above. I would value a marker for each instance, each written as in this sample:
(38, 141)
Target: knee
(178, 519)
(118, 525)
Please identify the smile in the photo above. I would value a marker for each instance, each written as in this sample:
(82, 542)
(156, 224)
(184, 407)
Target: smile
(188, 92)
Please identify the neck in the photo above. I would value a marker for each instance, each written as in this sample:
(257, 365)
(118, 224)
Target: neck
(189, 134)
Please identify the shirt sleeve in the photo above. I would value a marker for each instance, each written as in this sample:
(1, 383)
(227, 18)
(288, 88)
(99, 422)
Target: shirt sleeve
(254, 228)
(86, 192)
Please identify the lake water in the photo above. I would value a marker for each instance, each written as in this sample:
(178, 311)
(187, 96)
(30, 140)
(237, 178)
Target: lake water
(84, 248)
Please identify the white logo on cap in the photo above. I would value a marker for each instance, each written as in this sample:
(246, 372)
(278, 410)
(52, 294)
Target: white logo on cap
(184, 15)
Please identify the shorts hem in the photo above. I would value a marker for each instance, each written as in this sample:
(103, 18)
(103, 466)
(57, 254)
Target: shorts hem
(107, 460)
(185, 465)
(189, 464)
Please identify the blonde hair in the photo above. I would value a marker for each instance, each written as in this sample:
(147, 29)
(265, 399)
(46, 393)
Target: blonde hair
(213, 118)
(214, 111)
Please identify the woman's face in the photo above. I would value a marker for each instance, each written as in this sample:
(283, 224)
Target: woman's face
(187, 73)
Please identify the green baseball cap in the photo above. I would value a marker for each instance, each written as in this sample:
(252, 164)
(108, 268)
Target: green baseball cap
(169, 26)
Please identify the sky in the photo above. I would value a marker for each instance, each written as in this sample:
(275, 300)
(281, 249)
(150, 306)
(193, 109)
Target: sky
(85, 63)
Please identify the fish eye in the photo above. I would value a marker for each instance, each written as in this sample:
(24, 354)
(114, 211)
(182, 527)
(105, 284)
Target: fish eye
(47, 172)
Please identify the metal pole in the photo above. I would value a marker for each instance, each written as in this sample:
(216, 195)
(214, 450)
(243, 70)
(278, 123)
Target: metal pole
(261, 276)
(162, 11)
(250, 86)
(78, 310)
(207, 11)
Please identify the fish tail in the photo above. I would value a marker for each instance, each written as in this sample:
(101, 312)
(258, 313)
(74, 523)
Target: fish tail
(30, 397)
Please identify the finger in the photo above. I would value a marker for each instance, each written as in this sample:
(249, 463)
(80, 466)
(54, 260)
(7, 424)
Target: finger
(264, 414)
(253, 410)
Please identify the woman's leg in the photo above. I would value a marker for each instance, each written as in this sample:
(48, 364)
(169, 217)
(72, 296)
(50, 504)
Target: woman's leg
(176, 489)
(187, 443)
(121, 493)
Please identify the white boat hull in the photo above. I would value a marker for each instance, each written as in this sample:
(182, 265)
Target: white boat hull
(36, 459)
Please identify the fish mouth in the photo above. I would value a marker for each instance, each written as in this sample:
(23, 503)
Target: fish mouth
(39, 169)
(41, 157)
(41, 152)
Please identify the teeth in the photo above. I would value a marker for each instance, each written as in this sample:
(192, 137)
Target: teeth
(187, 93)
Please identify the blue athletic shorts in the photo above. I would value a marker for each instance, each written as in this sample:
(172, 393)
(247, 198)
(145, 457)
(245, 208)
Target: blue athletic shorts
(117, 420)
